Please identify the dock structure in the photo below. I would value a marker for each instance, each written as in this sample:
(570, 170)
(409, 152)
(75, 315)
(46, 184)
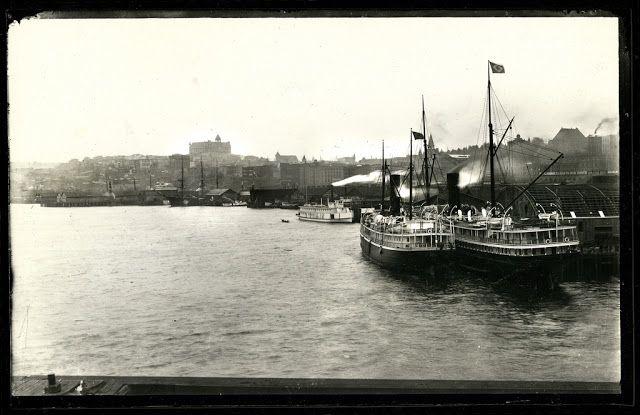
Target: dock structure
(39, 386)
(142, 197)
(268, 197)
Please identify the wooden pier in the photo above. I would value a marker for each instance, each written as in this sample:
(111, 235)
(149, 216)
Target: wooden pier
(119, 385)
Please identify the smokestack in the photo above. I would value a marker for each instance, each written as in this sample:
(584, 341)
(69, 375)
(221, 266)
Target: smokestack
(394, 181)
(453, 180)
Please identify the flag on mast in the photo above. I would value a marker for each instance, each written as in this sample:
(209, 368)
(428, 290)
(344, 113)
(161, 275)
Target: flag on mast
(496, 67)
(417, 135)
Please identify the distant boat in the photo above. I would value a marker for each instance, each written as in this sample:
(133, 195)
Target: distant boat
(332, 212)
(287, 205)
(285, 220)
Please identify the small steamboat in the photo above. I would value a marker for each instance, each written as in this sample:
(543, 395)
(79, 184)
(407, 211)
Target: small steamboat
(332, 212)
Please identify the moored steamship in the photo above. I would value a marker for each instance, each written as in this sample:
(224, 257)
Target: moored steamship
(396, 240)
(495, 242)
(499, 243)
(420, 239)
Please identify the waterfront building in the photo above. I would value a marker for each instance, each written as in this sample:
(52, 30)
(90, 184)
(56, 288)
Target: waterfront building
(321, 173)
(220, 196)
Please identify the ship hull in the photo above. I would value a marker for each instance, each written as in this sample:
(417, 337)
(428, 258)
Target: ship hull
(432, 260)
(180, 202)
(540, 272)
(339, 220)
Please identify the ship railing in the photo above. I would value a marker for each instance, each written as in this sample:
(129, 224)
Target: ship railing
(422, 233)
(515, 242)
(442, 231)
(432, 240)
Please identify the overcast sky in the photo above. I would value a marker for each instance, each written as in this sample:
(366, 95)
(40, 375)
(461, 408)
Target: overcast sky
(316, 87)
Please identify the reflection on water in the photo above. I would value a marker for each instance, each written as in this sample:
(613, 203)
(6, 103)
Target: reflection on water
(207, 291)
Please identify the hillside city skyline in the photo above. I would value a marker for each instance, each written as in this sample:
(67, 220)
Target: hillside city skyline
(604, 128)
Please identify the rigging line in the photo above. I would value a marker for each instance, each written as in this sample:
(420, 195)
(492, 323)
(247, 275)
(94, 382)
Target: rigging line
(498, 99)
(484, 110)
(532, 154)
(484, 167)
(504, 179)
(527, 151)
(538, 151)
(550, 150)
(530, 150)
(441, 173)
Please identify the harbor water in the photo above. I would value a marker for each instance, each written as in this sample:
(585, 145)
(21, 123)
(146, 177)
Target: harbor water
(215, 291)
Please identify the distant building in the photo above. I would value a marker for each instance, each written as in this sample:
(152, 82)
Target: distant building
(281, 158)
(260, 176)
(430, 144)
(347, 160)
(211, 153)
(568, 141)
(254, 161)
(290, 174)
(321, 174)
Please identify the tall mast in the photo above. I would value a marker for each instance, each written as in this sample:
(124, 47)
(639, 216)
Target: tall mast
(411, 175)
(182, 175)
(201, 175)
(383, 174)
(217, 187)
(493, 182)
(427, 182)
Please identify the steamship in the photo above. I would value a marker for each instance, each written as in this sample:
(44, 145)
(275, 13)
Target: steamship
(491, 240)
(332, 212)
(422, 239)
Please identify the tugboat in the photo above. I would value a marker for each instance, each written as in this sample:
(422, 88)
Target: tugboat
(494, 242)
(422, 239)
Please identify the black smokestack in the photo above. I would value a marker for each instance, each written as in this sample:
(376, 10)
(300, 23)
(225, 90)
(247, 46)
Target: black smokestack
(453, 190)
(394, 199)
(459, 167)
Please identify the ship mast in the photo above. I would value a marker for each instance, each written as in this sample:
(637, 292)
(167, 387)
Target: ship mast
(202, 176)
(411, 175)
(491, 153)
(217, 187)
(182, 176)
(383, 174)
(427, 180)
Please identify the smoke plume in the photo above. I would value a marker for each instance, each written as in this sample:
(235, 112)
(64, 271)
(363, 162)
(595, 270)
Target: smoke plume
(373, 177)
(470, 173)
(605, 121)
